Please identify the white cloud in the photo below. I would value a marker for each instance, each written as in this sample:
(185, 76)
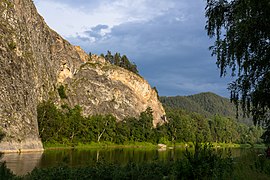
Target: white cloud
(69, 18)
(166, 38)
(68, 21)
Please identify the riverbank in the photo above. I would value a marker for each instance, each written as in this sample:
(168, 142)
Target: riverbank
(101, 145)
(142, 145)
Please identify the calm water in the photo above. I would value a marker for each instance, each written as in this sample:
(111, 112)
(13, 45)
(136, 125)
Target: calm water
(23, 163)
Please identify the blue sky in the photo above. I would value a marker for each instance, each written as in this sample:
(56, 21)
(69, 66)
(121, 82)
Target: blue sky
(165, 38)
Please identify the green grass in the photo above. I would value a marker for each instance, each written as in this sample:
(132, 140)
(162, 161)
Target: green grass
(226, 145)
(142, 145)
(94, 145)
(101, 145)
(89, 64)
(145, 145)
(259, 146)
(56, 145)
(215, 145)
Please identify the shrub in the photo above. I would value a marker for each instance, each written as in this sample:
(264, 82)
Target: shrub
(12, 45)
(206, 163)
(61, 92)
(5, 173)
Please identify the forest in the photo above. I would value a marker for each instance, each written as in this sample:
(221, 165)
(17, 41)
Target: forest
(207, 104)
(66, 125)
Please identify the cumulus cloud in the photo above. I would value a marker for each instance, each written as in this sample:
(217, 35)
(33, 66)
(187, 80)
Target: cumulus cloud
(166, 39)
(97, 32)
(82, 14)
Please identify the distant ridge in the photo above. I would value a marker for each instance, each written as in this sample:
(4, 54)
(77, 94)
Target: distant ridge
(206, 103)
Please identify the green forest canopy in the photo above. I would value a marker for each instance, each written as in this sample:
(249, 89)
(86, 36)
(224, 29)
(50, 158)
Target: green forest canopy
(67, 126)
(207, 104)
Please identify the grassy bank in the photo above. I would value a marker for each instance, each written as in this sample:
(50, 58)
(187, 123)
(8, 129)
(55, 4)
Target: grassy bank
(143, 145)
(101, 145)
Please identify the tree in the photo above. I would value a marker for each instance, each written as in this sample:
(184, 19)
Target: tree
(146, 123)
(75, 121)
(124, 62)
(181, 126)
(109, 57)
(202, 132)
(51, 121)
(121, 61)
(117, 59)
(103, 127)
(242, 43)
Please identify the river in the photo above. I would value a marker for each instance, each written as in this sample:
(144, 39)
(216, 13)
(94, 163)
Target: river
(23, 163)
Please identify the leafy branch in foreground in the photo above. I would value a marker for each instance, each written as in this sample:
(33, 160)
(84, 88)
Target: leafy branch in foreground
(242, 44)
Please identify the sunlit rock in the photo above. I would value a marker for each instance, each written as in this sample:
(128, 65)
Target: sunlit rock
(35, 61)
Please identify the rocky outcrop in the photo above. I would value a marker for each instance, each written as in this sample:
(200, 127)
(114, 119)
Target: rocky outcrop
(105, 89)
(35, 61)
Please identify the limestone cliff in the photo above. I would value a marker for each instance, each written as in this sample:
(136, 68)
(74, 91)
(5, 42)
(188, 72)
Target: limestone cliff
(35, 61)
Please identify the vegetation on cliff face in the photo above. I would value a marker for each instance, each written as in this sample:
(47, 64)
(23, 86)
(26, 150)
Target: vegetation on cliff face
(61, 92)
(2, 134)
(66, 125)
(121, 61)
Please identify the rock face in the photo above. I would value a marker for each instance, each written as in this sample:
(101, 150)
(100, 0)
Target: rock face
(35, 61)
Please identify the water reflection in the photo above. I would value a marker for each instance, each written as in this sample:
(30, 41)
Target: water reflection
(22, 163)
(115, 156)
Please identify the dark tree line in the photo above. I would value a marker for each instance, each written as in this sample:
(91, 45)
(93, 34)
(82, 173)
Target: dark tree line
(192, 127)
(68, 126)
(207, 104)
(121, 61)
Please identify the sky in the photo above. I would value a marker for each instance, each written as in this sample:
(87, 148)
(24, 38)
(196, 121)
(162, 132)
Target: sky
(166, 39)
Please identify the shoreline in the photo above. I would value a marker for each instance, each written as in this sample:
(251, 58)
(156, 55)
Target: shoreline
(143, 145)
(19, 151)
(135, 145)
